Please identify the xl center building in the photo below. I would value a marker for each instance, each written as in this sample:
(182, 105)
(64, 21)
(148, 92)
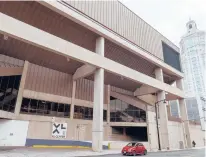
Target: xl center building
(94, 71)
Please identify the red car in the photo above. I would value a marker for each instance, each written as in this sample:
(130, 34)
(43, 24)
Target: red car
(134, 149)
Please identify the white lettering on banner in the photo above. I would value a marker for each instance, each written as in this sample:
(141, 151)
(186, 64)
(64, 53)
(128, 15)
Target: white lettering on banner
(59, 130)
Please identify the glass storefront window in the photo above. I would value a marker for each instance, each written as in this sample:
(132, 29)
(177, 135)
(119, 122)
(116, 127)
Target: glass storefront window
(44, 108)
(9, 86)
(86, 113)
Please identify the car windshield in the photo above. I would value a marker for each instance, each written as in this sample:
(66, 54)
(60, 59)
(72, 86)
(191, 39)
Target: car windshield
(131, 144)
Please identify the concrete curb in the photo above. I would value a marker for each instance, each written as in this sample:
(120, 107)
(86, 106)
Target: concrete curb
(173, 150)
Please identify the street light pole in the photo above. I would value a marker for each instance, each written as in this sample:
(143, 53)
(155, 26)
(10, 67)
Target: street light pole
(158, 134)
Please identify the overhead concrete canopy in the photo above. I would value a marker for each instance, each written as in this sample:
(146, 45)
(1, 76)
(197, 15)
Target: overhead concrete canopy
(45, 19)
(46, 49)
(33, 54)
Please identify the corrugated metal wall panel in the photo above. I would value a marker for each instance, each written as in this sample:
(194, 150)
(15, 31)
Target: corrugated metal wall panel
(85, 90)
(41, 79)
(121, 20)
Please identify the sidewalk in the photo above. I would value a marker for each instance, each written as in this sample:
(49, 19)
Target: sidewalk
(172, 150)
(42, 152)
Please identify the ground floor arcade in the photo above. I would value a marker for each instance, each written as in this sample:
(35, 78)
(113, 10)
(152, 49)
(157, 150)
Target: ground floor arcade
(125, 117)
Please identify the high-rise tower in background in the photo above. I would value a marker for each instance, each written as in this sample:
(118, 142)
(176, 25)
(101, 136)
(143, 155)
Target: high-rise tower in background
(193, 58)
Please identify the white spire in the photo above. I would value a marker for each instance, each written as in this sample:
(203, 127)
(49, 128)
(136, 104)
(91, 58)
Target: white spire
(191, 26)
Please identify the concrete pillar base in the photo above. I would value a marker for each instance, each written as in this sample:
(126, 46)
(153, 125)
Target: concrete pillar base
(97, 139)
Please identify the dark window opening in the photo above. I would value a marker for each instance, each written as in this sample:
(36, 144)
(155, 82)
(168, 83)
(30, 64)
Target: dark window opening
(137, 133)
(123, 112)
(171, 57)
(117, 130)
(190, 26)
(45, 108)
(86, 113)
(9, 86)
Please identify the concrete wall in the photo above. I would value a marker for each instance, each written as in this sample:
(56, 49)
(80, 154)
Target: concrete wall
(197, 135)
(152, 131)
(13, 132)
(80, 130)
(76, 130)
(175, 134)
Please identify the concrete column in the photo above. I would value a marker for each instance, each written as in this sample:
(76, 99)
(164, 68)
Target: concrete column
(21, 88)
(148, 127)
(164, 134)
(97, 124)
(184, 117)
(108, 104)
(73, 100)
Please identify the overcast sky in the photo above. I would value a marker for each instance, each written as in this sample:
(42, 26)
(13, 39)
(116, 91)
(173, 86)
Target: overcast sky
(169, 17)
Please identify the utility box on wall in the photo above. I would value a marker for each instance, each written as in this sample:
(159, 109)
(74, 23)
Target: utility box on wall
(13, 132)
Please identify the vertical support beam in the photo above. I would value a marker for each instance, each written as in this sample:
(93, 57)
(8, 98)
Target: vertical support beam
(73, 100)
(148, 127)
(21, 88)
(164, 134)
(97, 124)
(108, 104)
(184, 117)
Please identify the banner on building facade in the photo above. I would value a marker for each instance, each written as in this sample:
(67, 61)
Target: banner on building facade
(59, 130)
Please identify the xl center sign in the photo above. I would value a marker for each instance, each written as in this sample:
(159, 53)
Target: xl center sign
(59, 130)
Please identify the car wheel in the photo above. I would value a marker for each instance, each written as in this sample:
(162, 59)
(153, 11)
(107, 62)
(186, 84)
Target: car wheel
(134, 153)
(145, 152)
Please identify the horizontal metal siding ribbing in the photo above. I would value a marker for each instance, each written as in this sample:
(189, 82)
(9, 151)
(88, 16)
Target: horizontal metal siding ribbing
(129, 61)
(85, 90)
(125, 25)
(41, 79)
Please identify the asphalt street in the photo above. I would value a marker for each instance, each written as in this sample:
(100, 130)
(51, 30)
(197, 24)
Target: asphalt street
(182, 153)
(42, 152)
